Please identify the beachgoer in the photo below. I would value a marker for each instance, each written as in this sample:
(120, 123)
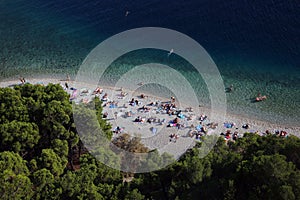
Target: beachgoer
(235, 135)
(105, 115)
(23, 81)
(176, 137)
(176, 120)
(202, 117)
(172, 99)
(172, 136)
(245, 126)
(129, 114)
(283, 133)
(204, 129)
(268, 132)
(66, 84)
(117, 130)
(171, 51)
(98, 90)
(104, 98)
(229, 89)
(260, 97)
(123, 94)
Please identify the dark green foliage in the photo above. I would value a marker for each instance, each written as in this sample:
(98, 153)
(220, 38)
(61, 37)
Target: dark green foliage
(18, 136)
(45, 185)
(14, 180)
(41, 157)
(53, 162)
(12, 106)
(134, 194)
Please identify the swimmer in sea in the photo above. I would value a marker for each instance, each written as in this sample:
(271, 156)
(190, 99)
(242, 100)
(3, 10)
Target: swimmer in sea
(171, 51)
(229, 89)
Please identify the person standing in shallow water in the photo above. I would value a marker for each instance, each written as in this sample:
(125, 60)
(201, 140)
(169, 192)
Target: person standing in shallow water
(229, 89)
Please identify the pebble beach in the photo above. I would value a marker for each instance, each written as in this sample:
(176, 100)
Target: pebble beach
(156, 133)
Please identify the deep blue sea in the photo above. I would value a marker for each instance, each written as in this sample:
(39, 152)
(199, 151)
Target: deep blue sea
(255, 44)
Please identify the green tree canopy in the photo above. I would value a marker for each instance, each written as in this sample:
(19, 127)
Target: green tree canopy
(18, 136)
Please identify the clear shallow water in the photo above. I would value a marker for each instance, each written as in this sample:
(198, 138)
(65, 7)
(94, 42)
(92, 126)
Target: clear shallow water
(254, 44)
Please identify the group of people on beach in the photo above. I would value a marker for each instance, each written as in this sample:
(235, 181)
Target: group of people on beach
(134, 102)
(233, 135)
(180, 121)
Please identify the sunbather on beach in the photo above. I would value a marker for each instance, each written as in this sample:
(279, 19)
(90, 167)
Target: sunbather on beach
(245, 126)
(105, 115)
(139, 119)
(131, 101)
(84, 91)
(152, 103)
(98, 90)
(202, 117)
(235, 135)
(229, 124)
(173, 99)
(283, 133)
(176, 120)
(123, 94)
(117, 130)
(104, 98)
(144, 108)
(173, 137)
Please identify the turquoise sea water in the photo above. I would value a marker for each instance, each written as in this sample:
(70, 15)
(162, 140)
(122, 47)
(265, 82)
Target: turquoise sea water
(254, 44)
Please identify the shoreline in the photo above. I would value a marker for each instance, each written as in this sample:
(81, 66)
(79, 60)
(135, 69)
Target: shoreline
(281, 121)
(56, 80)
(160, 140)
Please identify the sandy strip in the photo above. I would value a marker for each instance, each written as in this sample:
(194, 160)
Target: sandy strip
(160, 139)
